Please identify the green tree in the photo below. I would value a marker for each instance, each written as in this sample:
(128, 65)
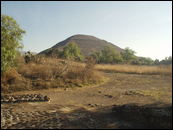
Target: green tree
(96, 56)
(128, 55)
(73, 52)
(11, 36)
(142, 61)
(147, 61)
(107, 55)
(156, 61)
(166, 61)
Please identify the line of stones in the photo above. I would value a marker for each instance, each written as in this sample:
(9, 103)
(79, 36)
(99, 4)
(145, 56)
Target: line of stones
(23, 98)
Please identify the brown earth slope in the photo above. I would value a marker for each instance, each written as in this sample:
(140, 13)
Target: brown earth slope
(87, 44)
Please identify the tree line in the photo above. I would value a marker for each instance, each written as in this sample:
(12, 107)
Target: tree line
(108, 55)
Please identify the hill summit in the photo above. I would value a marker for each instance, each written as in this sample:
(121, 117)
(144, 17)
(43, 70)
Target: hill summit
(88, 44)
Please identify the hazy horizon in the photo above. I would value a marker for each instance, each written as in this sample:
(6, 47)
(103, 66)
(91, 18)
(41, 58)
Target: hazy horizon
(145, 27)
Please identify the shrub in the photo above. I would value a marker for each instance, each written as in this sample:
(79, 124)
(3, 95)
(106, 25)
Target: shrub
(13, 81)
(10, 76)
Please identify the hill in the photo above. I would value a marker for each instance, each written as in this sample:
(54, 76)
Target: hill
(87, 44)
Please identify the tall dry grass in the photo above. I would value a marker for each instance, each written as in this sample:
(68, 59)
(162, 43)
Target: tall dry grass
(49, 73)
(84, 73)
(136, 69)
(54, 73)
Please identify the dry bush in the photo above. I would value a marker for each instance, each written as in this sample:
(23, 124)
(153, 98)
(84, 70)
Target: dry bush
(20, 60)
(90, 63)
(41, 84)
(41, 71)
(79, 77)
(84, 74)
(52, 73)
(10, 76)
(75, 73)
(13, 81)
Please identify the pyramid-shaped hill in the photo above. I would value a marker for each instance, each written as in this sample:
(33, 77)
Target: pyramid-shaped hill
(88, 44)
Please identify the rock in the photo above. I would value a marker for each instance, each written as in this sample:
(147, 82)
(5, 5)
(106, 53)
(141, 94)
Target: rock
(46, 98)
(23, 98)
(92, 105)
(109, 96)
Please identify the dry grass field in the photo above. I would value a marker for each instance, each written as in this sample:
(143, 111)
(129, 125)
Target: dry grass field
(136, 69)
(56, 73)
(87, 96)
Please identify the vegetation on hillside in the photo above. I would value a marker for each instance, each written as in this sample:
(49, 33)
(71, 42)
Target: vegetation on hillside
(69, 52)
(109, 55)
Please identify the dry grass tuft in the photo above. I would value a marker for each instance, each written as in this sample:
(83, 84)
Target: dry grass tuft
(10, 76)
(80, 74)
(13, 81)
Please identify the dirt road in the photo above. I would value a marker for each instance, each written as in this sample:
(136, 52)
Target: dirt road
(88, 107)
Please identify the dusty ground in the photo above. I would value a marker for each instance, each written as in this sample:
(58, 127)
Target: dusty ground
(89, 107)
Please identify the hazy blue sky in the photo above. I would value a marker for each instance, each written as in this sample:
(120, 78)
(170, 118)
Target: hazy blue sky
(145, 27)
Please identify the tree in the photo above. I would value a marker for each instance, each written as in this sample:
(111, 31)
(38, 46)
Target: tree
(156, 61)
(166, 61)
(107, 55)
(142, 61)
(96, 56)
(128, 55)
(72, 52)
(148, 61)
(11, 36)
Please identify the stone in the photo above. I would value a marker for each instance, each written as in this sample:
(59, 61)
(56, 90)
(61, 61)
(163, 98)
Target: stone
(23, 98)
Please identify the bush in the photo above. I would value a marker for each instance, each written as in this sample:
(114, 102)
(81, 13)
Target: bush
(10, 76)
(13, 81)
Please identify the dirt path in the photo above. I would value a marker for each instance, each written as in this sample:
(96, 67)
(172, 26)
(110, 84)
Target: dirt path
(88, 107)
